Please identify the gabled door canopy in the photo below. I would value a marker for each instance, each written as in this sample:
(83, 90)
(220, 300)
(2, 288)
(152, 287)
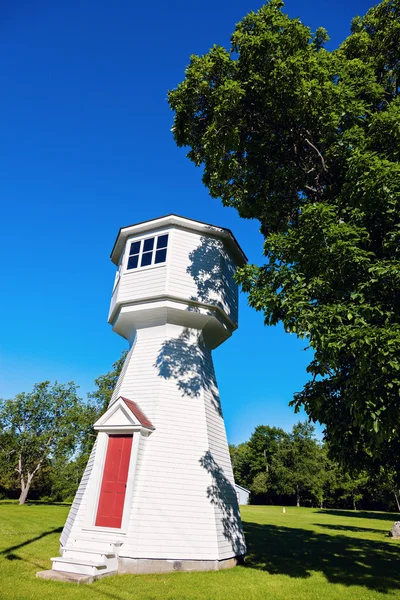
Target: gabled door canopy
(124, 416)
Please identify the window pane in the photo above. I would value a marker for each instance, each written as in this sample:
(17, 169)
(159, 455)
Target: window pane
(135, 247)
(162, 241)
(146, 259)
(161, 255)
(148, 245)
(133, 261)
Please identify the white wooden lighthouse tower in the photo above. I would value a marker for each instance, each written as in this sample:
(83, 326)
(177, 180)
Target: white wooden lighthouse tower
(158, 492)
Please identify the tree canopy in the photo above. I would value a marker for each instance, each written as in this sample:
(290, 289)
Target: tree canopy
(39, 426)
(46, 436)
(307, 141)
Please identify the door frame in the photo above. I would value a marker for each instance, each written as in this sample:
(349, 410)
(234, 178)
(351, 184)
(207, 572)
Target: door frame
(96, 478)
(114, 483)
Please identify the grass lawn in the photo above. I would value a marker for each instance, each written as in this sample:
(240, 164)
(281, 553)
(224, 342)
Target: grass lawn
(303, 554)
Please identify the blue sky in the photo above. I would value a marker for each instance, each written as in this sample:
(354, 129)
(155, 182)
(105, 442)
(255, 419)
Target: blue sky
(85, 148)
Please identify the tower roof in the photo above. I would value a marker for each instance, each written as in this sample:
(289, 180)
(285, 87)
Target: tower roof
(182, 222)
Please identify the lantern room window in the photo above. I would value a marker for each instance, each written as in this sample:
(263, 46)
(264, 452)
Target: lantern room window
(148, 252)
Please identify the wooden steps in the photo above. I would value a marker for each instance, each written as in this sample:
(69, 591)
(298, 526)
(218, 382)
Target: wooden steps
(89, 557)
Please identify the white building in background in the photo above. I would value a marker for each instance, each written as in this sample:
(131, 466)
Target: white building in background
(158, 492)
(242, 494)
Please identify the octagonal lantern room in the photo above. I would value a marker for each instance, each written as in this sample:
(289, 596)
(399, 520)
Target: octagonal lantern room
(179, 270)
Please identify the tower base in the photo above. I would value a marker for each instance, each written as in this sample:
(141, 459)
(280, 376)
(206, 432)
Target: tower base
(142, 566)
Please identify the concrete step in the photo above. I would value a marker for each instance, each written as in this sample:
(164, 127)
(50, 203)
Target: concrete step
(65, 576)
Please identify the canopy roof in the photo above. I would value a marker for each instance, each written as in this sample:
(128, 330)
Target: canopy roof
(139, 414)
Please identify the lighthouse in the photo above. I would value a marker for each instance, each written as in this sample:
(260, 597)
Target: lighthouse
(158, 492)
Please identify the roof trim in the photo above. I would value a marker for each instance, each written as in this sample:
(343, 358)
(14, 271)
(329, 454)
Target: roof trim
(138, 413)
(242, 488)
(218, 231)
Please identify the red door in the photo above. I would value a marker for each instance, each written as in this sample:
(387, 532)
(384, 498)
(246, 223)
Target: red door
(113, 485)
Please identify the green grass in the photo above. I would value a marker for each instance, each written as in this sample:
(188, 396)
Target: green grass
(305, 554)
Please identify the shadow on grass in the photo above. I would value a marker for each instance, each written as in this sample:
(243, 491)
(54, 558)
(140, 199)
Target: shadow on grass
(35, 502)
(361, 514)
(353, 529)
(12, 556)
(345, 560)
(8, 552)
(47, 503)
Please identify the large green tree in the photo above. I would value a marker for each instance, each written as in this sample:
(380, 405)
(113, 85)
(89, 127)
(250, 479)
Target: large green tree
(307, 141)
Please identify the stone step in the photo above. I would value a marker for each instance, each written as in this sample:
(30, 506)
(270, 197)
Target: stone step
(65, 576)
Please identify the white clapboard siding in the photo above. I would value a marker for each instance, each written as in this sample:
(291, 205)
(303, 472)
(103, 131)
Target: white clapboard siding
(230, 295)
(183, 479)
(116, 393)
(227, 516)
(137, 284)
(202, 270)
(113, 300)
(76, 505)
(173, 492)
(170, 488)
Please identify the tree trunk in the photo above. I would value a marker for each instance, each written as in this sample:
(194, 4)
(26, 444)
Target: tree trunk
(25, 487)
(397, 499)
(297, 496)
(24, 494)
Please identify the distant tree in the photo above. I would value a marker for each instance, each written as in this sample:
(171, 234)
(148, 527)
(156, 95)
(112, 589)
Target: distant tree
(105, 385)
(261, 485)
(40, 426)
(307, 141)
(391, 481)
(240, 458)
(352, 487)
(331, 477)
(8, 483)
(263, 444)
(383, 487)
(67, 474)
(298, 466)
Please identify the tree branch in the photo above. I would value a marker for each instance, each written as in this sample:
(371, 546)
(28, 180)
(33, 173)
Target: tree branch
(44, 454)
(318, 152)
(311, 189)
(21, 475)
